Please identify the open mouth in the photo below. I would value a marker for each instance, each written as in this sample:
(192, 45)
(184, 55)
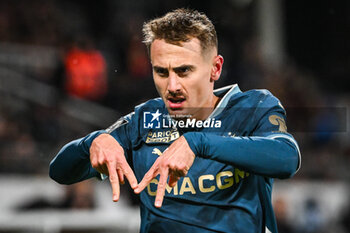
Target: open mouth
(176, 102)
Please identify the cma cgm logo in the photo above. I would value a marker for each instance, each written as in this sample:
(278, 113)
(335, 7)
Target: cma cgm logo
(152, 120)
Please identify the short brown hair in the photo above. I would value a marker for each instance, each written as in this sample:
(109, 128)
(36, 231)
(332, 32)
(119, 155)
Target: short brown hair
(181, 25)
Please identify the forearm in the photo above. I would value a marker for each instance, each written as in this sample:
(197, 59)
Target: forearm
(72, 163)
(264, 156)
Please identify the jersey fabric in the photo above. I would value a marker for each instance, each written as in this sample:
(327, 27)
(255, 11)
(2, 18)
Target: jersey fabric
(239, 149)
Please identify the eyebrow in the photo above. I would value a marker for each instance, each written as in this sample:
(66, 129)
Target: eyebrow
(179, 69)
(176, 69)
(159, 68)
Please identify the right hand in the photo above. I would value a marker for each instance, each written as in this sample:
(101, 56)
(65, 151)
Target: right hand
(107, 157)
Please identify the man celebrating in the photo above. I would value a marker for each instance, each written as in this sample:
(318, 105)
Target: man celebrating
(205, 159)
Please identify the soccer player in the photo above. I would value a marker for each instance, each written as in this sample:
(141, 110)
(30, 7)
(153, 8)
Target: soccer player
(203, 160)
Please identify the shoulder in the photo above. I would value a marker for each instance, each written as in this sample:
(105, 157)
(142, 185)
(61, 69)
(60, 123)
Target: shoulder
(133, 123)
(150, 105)
(258, 98)
(255, 104)
(261, 95)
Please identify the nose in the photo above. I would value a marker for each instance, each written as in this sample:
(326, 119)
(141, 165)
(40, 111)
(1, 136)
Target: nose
(174, 84)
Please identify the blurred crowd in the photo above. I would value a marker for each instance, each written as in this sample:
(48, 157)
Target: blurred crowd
(95, 53)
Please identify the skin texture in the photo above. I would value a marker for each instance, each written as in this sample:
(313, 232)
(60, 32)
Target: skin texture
(184, 76)
(174, 163)
(185, 72)
(107, 157)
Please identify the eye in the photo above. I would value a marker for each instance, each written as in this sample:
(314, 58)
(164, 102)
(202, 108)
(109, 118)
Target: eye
(183, 71)
(162, 72)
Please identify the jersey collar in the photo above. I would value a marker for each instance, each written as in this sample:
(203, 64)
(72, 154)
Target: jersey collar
(225, 93)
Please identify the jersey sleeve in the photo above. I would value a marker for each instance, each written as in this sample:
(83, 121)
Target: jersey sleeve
(272, 125)
(72, 163)
(269, 151)
(122, 131)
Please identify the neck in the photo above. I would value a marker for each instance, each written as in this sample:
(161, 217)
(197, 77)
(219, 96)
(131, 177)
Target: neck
(205, 112)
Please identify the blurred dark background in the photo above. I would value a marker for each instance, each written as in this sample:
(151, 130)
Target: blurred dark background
(70, 67)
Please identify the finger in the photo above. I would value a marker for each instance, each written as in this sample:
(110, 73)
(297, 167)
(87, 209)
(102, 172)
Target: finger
(120, 176)
(179, 173)
(114, 180)
(161, 187)
(102, 169)
(152, 172)
(173, 179)
(130, 176)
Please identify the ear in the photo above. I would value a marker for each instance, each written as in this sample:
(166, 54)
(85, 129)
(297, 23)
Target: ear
(218, 61)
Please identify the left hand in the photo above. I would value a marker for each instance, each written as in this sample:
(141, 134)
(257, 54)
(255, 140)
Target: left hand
(175, 163)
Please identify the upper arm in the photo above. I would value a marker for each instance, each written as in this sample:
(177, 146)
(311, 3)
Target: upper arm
(272, 124)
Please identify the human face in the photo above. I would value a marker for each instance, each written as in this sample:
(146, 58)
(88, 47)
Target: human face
(184, 77)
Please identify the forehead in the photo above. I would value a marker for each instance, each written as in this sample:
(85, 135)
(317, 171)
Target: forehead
(163, 53)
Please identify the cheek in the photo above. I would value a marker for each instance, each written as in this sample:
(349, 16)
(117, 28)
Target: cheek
(202, 92)
(200, 88)
(160, 85)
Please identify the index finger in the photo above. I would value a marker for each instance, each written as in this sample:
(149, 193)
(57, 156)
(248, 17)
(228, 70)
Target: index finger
(152, 172)
(130, 176)
(114, 180)
(164, 172)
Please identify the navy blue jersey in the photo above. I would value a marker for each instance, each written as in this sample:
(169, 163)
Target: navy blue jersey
(239, 149)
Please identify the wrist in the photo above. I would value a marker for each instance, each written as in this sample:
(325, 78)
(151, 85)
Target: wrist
(88, 140)
(194, 140)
